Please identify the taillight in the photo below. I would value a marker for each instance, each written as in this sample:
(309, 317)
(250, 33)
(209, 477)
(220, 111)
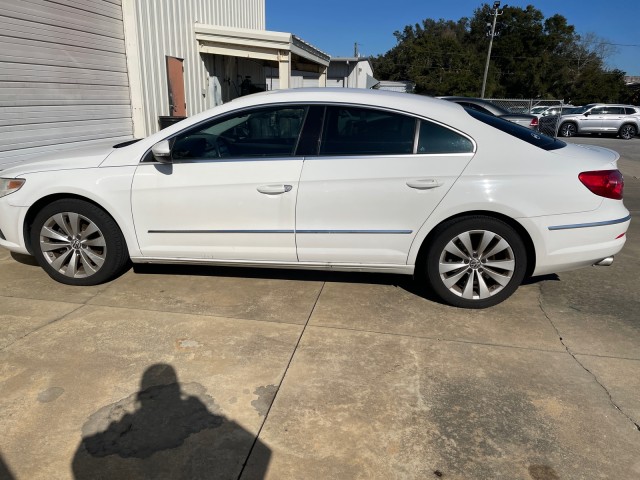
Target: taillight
(605, 183)
(534, 122)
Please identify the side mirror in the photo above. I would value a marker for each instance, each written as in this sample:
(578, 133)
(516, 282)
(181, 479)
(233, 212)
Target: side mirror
(586, 114)
(162, 152)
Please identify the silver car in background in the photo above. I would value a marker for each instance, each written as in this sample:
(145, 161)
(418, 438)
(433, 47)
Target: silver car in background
(623, 120)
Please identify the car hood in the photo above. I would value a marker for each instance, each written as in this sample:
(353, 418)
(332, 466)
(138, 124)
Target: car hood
(82, 157)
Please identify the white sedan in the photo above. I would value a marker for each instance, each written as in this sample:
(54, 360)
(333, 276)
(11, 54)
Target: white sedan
(333, 179)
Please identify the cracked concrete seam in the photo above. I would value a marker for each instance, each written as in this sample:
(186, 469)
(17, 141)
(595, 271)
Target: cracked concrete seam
(611, 401)
(55, 320)
(279, 386)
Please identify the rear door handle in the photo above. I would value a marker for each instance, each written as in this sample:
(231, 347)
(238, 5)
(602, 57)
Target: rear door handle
(423, 183)
(274, 189)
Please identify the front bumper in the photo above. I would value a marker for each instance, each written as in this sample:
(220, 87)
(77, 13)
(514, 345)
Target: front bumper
(11, 226)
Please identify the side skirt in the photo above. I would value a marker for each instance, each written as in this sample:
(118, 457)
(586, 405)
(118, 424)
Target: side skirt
(340, 267)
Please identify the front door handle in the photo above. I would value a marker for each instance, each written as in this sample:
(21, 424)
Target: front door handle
(274, 189)
(423, 183)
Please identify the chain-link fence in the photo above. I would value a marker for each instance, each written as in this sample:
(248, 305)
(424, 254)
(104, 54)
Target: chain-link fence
(547, 111)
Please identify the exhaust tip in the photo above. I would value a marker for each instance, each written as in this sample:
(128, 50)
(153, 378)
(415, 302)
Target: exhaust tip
(605, 262)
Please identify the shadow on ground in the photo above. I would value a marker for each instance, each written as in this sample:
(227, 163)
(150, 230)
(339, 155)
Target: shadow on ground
(165, 430)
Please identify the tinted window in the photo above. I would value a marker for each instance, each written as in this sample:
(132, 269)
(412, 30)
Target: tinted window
(438, 139)
(631, 111)
(615, 110)
(525, 134)
(361, 131)
(598, 111)
(264, 132)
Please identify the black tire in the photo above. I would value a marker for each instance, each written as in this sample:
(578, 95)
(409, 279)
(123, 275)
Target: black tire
(484, 277)
(78, 243)
(568, 129)
(627, 131)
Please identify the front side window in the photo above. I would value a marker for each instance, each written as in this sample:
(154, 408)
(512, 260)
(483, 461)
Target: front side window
(362, 131)
(434, 138)
(262, 132)
(598, 111)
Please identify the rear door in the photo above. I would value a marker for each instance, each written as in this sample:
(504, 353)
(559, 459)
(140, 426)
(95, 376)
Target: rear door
(371, 184)
(612, 118)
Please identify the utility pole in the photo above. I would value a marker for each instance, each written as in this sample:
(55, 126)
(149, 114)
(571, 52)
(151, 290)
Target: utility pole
(496, 12)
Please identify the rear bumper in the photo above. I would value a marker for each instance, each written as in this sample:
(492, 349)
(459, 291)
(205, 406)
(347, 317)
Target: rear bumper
(578, 240)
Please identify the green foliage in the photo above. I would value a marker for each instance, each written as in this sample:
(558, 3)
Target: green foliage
(532, 57)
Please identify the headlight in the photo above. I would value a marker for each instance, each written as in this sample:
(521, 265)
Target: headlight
(10, 185)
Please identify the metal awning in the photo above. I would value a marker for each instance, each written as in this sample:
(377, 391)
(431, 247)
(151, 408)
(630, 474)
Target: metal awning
(280, 47)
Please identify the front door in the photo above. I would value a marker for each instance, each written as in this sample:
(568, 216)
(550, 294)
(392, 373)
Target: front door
(229, 194)
(593, 121)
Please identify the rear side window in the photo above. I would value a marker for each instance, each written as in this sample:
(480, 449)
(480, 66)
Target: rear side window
(525, 134)
(362, 131)
(632, 111)
(434, 138)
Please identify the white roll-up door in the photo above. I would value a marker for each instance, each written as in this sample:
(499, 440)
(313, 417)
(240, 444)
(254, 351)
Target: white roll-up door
(63, 75)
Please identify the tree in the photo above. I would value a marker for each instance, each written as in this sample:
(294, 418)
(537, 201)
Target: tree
(532, 57)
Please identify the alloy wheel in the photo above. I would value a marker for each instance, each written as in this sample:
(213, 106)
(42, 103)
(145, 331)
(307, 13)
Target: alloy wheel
(477, 264)
(73, 245)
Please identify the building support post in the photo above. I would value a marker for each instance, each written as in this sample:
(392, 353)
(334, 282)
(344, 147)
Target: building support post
(322, 80)
(284, 69)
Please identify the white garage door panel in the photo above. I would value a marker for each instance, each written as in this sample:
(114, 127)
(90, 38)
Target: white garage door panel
(22, 94)
(15, 137)
(18, 28)
(63, 75)
(18, 50)
(14, 116)
(33, 73)
(52, 13)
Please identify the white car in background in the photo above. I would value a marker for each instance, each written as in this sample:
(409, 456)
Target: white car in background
(332, 179)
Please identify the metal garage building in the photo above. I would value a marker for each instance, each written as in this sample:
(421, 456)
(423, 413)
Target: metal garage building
(74, 72)
(63, 74)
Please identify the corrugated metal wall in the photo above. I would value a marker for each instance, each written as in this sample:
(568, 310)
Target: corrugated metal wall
(63, 74)
(165, 28)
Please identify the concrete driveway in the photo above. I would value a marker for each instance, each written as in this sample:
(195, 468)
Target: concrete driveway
(172, 372)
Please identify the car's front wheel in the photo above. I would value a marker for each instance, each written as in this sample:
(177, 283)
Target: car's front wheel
(475, 262)
(78, 243)
(568, 129)
(627, 132)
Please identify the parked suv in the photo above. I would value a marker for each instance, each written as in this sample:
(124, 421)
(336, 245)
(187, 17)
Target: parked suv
(623, 120)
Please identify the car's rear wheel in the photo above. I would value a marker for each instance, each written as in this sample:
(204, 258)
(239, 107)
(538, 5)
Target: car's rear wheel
(78, 243)
(628, 131)
(568, 129)
(475, 262)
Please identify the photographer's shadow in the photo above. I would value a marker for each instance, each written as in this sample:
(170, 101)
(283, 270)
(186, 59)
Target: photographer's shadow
(165, 431)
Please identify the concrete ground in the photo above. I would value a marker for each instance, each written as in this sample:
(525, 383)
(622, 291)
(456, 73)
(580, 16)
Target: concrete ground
(173, 372)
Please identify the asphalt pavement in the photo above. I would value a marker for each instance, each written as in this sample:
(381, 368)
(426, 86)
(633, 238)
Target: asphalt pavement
(184, 372)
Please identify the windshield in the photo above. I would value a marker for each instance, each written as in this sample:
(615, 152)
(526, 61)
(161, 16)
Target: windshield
(525, 134)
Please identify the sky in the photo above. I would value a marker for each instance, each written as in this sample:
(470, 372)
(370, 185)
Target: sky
(333, 26)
